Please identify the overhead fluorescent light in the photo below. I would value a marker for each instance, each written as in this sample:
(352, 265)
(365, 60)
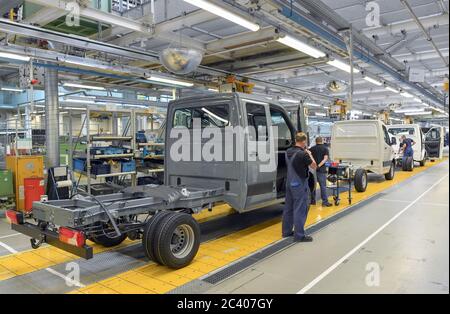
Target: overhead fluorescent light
(215, 90)
(391, 89)
(342, 66)
(82, 86)
(417, 99)
(291, 101)
(80, 101)
(226, 14)
(424, 113)
(373, 81)
(320, 114)
(10, 89)
(165, 80)
(301, 46)
(409, 110)
(13, 56)
(254, 101)
(215, 116)
(407, 95)
(310, 104)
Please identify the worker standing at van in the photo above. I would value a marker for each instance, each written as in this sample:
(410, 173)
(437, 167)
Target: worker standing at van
(406, 147)
(298, 160)
(320, 153)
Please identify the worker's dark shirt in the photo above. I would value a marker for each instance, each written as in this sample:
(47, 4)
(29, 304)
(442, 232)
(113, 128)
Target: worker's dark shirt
(408, 142)
(319, 152)
(301, 161)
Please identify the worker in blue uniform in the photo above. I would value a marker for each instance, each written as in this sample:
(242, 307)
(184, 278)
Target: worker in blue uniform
(407, 148)
(298, 160)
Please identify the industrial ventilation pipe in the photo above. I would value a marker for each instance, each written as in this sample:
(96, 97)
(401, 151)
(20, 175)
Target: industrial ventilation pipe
(51, 117)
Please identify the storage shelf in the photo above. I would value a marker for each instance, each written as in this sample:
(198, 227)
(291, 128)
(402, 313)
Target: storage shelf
(97, 157)
(151, 144)
(108, 175)
(110, 138)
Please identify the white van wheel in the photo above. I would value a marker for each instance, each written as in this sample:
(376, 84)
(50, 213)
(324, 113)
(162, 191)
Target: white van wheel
(390, 175)
(360, 180)
(409, 164)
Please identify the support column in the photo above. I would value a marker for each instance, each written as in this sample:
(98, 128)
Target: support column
(51, 117)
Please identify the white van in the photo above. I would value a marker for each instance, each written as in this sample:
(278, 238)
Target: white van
(366, 145)
(413, 132)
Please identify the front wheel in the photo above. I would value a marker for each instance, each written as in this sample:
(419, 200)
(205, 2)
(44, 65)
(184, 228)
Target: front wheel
(177, 240)
(360, 180)
(390, 175)
(423, 162)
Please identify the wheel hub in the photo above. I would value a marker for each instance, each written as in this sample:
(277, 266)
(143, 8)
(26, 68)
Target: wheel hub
(182, 241)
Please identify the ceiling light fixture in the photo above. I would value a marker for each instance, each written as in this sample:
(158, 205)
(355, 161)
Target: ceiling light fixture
(82, 86)
(373, 81)
(226, 14)
(13, 56)
(301, 46)
(291, 101)
(391, 89)
(407, 95)
(424, 113)
(342, 66)
(164, 80)
(10, 89)
(409, 110)
(309, 104)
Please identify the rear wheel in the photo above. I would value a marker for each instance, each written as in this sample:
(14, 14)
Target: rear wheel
(148, 236)
(423, 162)
(177, 240)
(360, 180)
(390, 175)
(409, 164)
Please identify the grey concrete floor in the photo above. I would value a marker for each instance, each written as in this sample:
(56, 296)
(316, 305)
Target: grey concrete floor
(398, 243)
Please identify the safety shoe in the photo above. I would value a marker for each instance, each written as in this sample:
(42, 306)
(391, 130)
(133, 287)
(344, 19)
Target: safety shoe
(304, 239)
(327, 205)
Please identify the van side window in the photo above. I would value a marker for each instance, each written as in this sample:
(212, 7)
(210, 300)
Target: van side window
(210, 116)
(257, 122)
(387, 139)
(279, 120)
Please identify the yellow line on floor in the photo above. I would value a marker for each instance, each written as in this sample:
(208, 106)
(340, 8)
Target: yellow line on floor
(152, 278)
(32, 260)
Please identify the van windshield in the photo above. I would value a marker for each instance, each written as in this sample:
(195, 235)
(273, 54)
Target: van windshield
(402, 131)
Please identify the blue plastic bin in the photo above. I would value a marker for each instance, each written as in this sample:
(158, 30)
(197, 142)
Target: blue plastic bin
(128, 165)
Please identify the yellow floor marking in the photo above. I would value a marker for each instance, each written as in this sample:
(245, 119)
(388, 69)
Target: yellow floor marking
(220, 252)
(32, 260)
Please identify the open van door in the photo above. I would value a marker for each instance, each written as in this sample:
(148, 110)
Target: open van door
(261, 155)
(434, 142)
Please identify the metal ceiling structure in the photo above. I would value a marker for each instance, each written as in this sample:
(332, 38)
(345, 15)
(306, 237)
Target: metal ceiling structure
(411, 35)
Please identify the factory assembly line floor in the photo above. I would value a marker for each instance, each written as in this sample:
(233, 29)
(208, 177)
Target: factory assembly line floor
(393, 239)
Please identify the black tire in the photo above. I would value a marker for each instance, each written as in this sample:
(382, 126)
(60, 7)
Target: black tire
(404, 165)
(108, 241)
(360, 180)
(182, 228)
(409, 164)
(149, 235)
(391, 174)
(423, 162)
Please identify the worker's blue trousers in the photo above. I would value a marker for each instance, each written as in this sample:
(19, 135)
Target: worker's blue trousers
(409, 152)
(296, 210)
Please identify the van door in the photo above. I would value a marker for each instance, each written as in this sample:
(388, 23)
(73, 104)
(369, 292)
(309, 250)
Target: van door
(387, 150)
(261, 159)
(434, 142)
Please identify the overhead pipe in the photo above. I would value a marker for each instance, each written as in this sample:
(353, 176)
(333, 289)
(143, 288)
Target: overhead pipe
(424, 31)
(51, 117)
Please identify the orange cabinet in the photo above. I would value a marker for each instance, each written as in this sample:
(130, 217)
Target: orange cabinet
(24, 167)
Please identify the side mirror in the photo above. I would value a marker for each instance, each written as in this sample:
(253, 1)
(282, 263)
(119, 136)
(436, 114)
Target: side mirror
(393, 140)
